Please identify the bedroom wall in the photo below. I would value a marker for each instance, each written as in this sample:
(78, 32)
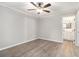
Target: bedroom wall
(50, 28)
(30, 28)
(15, 28)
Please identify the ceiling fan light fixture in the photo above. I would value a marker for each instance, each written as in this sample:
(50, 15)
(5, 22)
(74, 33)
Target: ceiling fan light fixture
(40, 7)
(39, 10)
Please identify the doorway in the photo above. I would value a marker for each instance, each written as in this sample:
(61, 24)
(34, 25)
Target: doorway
(69, 28)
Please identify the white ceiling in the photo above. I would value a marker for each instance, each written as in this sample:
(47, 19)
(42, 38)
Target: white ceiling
(63, 8)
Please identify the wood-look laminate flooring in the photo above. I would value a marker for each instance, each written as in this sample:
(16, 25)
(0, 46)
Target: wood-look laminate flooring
(42, 48)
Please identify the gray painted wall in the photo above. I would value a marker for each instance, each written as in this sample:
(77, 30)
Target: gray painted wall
(15, 28)
(50, 28)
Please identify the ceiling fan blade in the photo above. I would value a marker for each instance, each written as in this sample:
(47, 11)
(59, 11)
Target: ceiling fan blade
(40, 4)
(46, 11)
(47, 5)
(33, 4)
(30, 9)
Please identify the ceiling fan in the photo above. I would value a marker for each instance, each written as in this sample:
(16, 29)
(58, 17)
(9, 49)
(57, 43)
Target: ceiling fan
(40, 8)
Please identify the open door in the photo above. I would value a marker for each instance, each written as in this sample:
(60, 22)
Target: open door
(69, 28)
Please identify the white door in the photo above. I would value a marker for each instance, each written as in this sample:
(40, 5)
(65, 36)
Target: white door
(69, 28)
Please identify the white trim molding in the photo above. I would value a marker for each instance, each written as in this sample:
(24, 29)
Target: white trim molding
(16, 44)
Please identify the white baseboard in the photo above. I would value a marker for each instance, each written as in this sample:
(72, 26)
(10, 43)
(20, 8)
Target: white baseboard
(28, 41)
(16, 44)
(51, 40)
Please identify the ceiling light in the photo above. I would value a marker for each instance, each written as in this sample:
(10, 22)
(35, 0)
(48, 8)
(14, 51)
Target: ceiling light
(40, 7)
(39, 10)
